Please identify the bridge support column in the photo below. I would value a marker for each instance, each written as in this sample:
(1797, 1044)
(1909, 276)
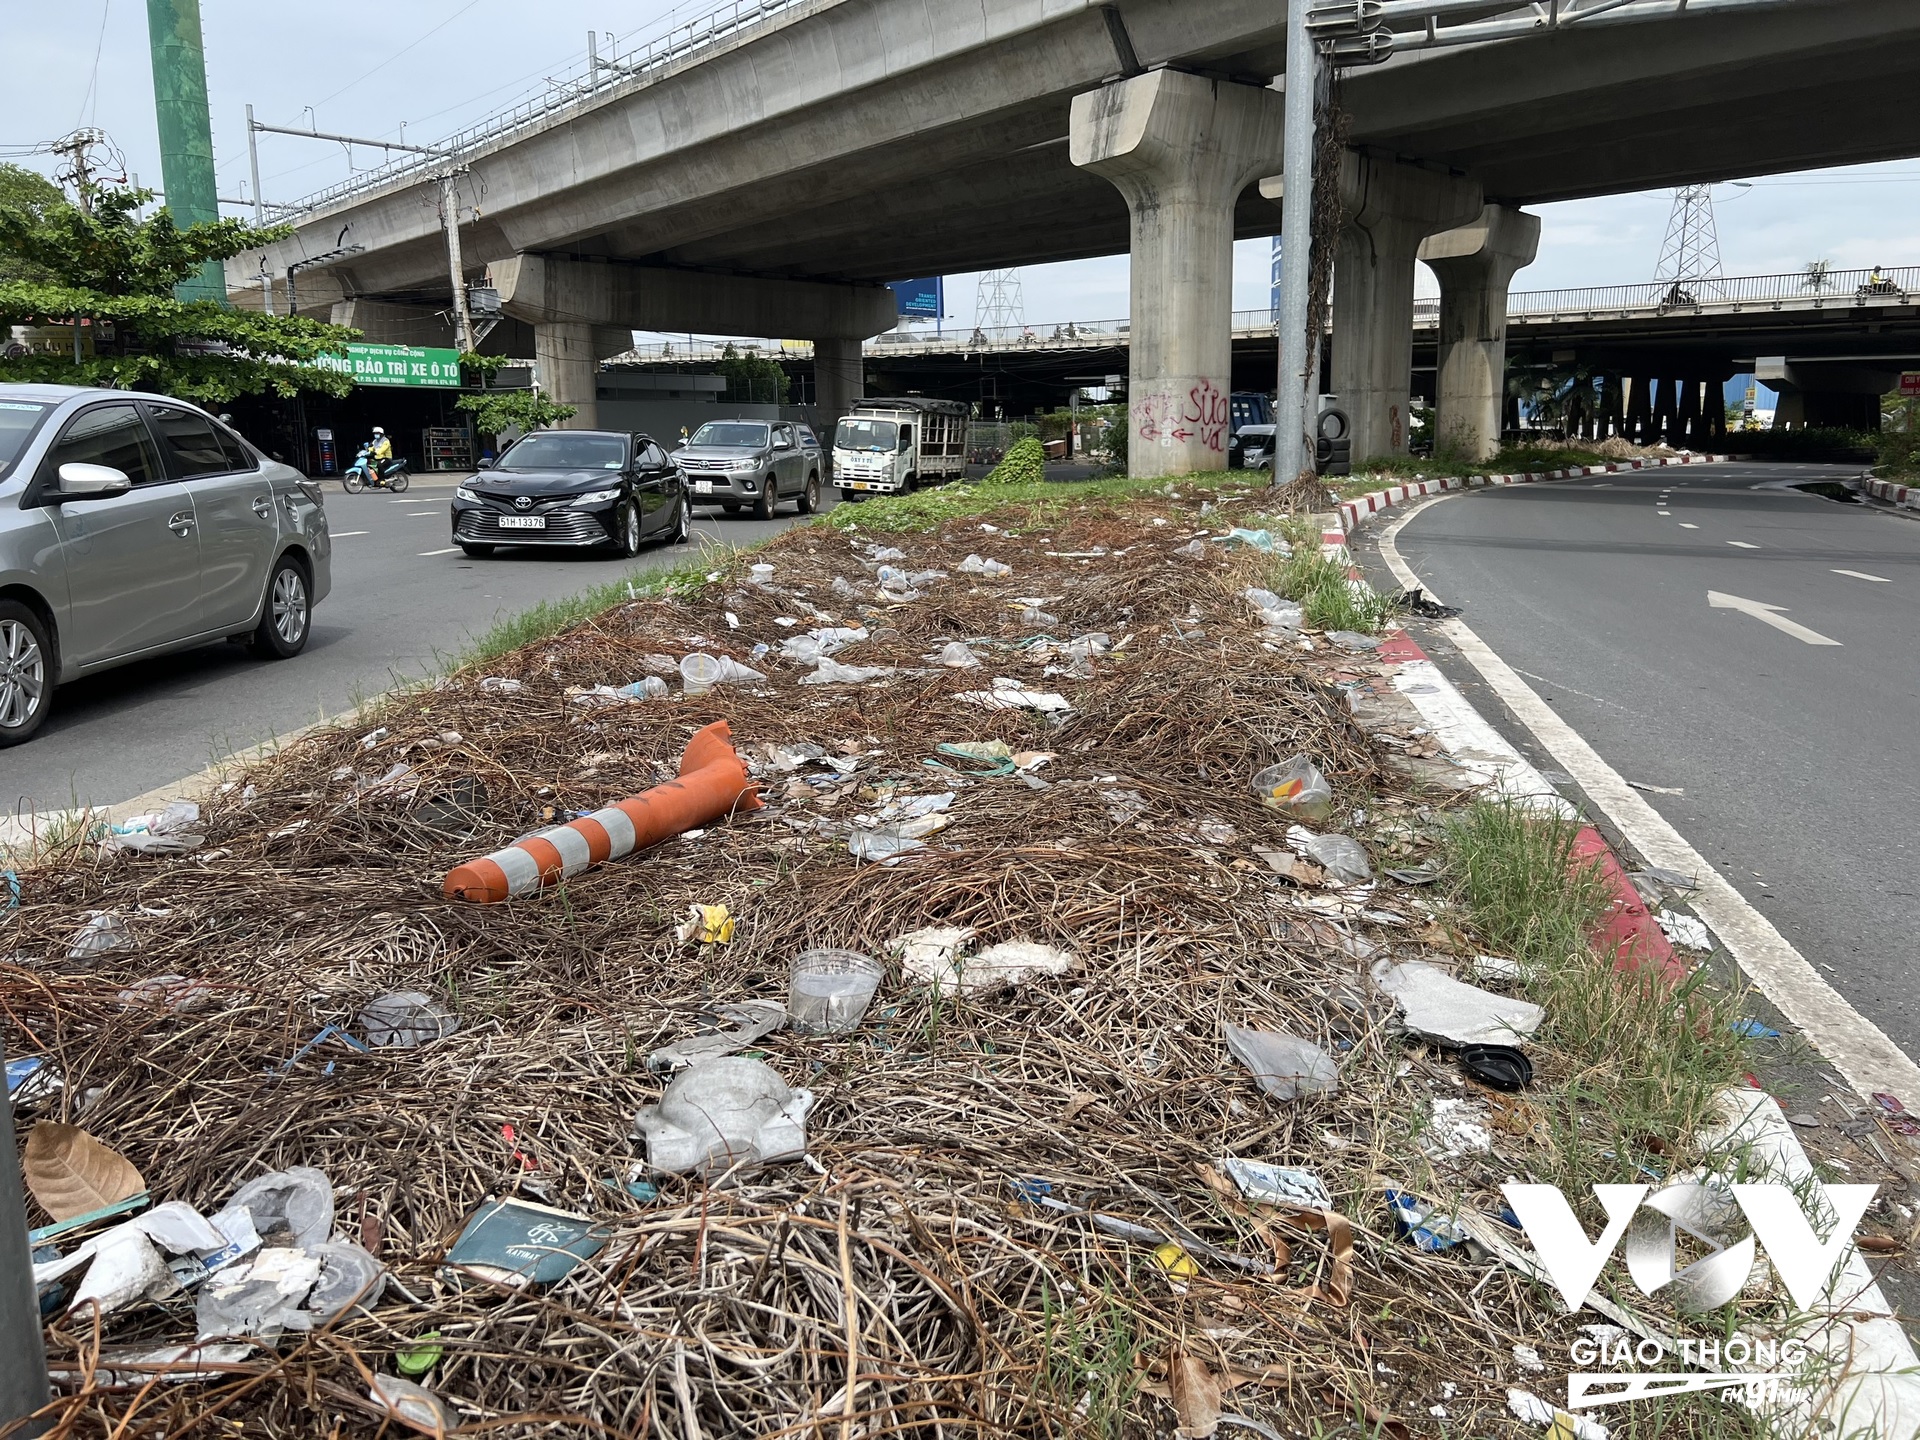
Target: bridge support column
(1639, 415)
(1180, 149)
(1475, 264)
(568, 370)
(1390, 208)
(839, 379)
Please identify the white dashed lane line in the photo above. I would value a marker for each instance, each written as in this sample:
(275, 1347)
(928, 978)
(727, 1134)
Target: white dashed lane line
(1862, 575)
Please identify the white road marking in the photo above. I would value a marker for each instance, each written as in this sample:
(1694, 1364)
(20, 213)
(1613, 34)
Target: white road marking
(448, 551)
(1859, 1049)
(1862, 575)
(1685, 526)
(1663, 512)
(416, 514)
(346, 534)
(1768, 614)
(1743, 544)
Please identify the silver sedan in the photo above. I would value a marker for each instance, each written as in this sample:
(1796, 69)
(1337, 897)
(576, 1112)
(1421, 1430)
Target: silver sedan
(132, 525)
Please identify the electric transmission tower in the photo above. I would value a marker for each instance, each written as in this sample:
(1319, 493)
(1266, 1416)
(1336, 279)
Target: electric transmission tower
(1691, 252)
(997, 302)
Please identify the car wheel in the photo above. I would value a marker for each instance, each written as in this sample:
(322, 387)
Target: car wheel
(810, 497)
(26, 681)
(626, 522)
(478, 552)
(769, 497)
(682, 530)
(288, 617)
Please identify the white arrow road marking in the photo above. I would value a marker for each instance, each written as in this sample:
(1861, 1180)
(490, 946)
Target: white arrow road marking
(1862, 575)
(1770, 614)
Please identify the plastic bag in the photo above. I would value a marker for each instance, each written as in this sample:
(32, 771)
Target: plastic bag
(500, 685)
(979, 565)
(174, 831)
(1285, 1066)
(405, 1020)
(101, 935)
(298, 1199)
(832, 672)
(1295, 787)
(1342, 857)
(955, 655)
(1275, 613)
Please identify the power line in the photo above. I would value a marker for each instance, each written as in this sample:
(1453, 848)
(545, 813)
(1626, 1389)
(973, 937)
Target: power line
(93, 81)
(398, 53)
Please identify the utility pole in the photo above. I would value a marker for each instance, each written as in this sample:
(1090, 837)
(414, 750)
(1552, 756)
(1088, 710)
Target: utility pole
(1297, 352)
(450, 217)
(24, 1387)
(74, 147)
(253, 164)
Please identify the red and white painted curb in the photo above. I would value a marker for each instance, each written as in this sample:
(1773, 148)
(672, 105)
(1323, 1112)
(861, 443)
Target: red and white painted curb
(1352, 512)
(1905, 496)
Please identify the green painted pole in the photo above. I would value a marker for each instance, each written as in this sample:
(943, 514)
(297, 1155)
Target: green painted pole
(186, 130)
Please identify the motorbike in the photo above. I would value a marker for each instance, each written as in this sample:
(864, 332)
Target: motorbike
(364, 474)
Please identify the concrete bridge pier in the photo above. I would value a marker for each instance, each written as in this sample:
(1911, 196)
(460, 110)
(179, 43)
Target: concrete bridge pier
(1475, 264)
(1180, 149)
(1391, 208)
(839, 380)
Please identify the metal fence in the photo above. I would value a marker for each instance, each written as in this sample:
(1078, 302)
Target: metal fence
(578, 87)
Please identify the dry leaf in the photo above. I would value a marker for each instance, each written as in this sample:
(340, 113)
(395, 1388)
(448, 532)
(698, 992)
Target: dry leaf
(1075, 1104)
(1289, 866)
(1195, 1392)
(1879, 1244)
(70, 1173)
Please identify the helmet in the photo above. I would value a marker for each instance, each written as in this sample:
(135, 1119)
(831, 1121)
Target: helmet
(378, 431)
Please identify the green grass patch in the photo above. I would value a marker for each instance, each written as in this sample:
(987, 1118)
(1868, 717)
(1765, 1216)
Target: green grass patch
(1024, 464)
(550, 617)
(1329, 599)
(1045, 499)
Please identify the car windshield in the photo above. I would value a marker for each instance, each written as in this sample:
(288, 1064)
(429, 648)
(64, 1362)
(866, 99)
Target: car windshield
(866, 435)
(730, 432)
(18, 419)
(556, 450)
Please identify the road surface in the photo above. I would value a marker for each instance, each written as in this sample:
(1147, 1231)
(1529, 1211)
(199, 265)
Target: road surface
(1749, 655)
(400, 603)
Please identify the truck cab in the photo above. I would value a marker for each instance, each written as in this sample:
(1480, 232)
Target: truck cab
(891, 446)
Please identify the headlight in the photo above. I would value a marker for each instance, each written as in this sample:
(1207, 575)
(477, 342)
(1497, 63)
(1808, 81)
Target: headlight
(597, 497)
(744, 465)
(463, 493)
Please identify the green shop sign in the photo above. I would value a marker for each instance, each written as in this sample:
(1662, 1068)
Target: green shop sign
(398, 365)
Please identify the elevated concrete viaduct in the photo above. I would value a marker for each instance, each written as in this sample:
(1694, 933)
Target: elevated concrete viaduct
(850, 142)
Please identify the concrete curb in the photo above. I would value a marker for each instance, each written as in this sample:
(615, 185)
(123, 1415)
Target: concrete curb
(1907, 497)
(1352, 512)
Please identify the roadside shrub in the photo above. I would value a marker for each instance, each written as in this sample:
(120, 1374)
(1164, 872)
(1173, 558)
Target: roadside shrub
(1024, 464)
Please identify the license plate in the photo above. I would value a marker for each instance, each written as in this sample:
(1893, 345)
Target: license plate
(523, 522)
(861, 485)
(703, 487)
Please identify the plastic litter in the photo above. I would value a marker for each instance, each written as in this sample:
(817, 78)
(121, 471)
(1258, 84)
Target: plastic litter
(933, 956)
(122, 1367)
(261, 1296)
(1418, 602)
(1261, 540)
(421, 1356)
(1274, 612)
(522, 1244)
(889, 842)
(1353, 640)
(1530, 1409)
(501, 685)
(761, 574)
(1754, 1030)
(174, 994)
(1424, 1223)
(706, 924)
(832, 672)
(1454, 1129)
(103, 934)
(1295, 787)
(955, 655)
(651, 687)
(979, 565)
(1499, 1067)
(174, 831)
(829, 990)
(1440, 1008)
(700, 673)
(1195, 549)
(1034, 618)
(30, 1080)
(297, 1201)
(880, 554)
(1342, 857)
(1276, 1185)
(1011, 695)
(405, 1020)
(1685, 931)
(1285, 1066)
(413, 1405)
(731, 1114)
(1497, 968)
(1895, 1116)
(348, 1276)
(755, 1020)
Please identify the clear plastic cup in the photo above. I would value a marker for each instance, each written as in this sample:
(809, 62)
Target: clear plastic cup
(698, 672)
(830, 990)
(762, 574)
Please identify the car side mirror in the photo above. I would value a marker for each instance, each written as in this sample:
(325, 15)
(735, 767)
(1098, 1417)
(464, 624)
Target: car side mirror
(483, 464)
(92, 482)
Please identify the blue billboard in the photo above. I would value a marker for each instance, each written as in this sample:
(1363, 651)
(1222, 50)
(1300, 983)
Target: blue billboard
(921, 299)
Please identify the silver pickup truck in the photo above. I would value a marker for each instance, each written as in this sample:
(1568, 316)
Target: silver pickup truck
(755, 464)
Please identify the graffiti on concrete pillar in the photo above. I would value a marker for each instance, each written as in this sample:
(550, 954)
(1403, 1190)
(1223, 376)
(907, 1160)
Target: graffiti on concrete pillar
(1206, 410)
(1167, 418)
(1393, 427)
(1153, 417)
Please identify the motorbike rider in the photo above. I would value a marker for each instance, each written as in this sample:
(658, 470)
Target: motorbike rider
(380, 453)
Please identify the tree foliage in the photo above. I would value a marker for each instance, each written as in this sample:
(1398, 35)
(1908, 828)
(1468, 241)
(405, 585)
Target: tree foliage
(752, 379)
(497, 410)
(32, 193)
(118, 271)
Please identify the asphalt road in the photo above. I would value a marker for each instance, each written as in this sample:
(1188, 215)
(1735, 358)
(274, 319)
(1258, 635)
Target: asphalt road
(399, 604)
(1790, 763)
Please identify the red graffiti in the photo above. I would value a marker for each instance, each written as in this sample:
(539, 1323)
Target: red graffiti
(1207, 408)
(1150, 416)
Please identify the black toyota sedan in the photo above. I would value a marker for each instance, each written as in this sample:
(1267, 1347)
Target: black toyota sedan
(574, 488)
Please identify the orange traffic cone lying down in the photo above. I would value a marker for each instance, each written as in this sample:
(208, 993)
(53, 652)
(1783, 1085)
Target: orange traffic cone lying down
(713, 784)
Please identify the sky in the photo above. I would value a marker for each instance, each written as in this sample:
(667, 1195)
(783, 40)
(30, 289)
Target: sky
(423, 68)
